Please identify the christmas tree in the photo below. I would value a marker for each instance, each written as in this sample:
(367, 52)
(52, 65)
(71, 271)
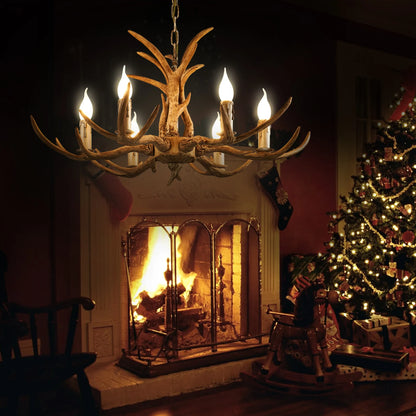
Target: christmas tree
(372, 250)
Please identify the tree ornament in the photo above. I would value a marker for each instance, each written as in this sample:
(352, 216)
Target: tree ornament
(392, 269)
(404, 172)
(385, 183)
(408, 237)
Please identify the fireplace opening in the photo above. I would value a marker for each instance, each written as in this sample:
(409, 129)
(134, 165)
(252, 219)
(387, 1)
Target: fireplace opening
(194, 295)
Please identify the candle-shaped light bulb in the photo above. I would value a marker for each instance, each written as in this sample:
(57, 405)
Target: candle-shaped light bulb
(216, 127)
(134, 125)
(84, 128)
(216, 134)
(226, 90)
(133, 157)
(122, 85)
(226, 93)
(264, 112)
(86, 106)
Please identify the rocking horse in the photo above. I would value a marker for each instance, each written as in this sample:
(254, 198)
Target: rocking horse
(306, 326)
(307, 323)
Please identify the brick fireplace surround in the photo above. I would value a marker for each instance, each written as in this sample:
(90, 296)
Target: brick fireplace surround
(103, 273)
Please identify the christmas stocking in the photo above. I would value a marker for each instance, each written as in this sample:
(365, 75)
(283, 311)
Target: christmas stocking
(119, 198)
(272, 185)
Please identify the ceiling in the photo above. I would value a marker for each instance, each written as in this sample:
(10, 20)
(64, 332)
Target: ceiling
(398, 16)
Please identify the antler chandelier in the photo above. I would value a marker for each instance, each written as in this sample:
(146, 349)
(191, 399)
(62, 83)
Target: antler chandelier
(169, 146)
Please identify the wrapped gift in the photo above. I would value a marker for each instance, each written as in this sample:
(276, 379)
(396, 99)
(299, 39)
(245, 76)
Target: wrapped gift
(367, 357)
(380, 320)
(386, 337)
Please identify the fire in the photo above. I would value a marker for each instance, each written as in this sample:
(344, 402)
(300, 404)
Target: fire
(153, 278)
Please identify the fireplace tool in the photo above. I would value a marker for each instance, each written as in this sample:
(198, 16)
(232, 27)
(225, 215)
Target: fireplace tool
(129, 299)
(222, 322)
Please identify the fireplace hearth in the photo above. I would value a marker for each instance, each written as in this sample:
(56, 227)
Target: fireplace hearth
(193, 290)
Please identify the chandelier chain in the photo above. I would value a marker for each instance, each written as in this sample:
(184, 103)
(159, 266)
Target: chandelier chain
(174, 35)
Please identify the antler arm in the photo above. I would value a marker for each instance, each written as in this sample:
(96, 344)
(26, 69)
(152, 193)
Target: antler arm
(265, 154)
(58, 147)
(118, 170)
(212, 168)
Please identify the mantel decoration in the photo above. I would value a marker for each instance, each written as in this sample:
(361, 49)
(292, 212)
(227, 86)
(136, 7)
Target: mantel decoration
(169, 146)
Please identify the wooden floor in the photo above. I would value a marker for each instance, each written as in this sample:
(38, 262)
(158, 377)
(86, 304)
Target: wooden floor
(364, 399)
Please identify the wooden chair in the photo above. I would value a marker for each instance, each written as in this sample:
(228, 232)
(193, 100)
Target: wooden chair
(41, 372)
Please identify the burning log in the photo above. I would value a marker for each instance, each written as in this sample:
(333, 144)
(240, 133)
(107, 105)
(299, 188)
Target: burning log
(149, 306)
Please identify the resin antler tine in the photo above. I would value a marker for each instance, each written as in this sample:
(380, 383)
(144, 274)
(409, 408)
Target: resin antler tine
(150, 81)
(111, 154)
(152, 60)
(118, 170)
(289, 143)
(267, 123)
(299, 148)
(191, 48)
(130, 172)
(98, 129)
(190, 71)
(155, 51)
(136, 139)
(213, 170)
(58, 147)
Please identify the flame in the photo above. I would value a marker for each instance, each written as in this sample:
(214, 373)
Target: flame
(153, 278)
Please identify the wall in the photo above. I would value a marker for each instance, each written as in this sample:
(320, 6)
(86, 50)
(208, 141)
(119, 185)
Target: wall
(53, 51)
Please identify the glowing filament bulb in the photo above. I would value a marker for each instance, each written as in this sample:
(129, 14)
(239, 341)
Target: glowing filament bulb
(134, 127)
(123, 83)
(264, 110)
(216, 127)
(86, 106)
(226, 90)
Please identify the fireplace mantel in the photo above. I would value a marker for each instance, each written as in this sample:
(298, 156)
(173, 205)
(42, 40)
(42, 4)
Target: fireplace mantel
(215, 199)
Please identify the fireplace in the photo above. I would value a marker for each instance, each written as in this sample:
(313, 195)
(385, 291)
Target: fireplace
(206, 223)
(194, 294)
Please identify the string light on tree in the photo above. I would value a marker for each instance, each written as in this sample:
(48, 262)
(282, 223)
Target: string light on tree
(378, 219)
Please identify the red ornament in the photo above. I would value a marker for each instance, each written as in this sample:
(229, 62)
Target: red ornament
(385, 182)
(405, 171)
(408, 236)
(395, 183)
